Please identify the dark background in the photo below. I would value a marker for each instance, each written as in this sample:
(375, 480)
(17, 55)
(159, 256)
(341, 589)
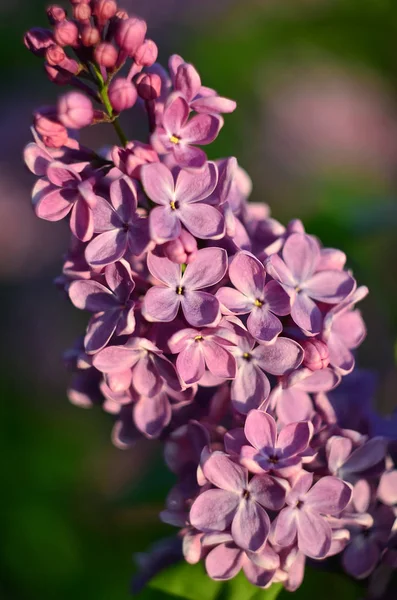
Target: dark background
(316, 84)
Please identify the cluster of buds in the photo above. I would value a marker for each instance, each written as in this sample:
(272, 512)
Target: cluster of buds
(213, 327)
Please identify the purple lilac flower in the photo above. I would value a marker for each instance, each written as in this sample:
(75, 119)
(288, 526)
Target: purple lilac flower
(180, 135)
(236, 502)
(226, 560)
(112, 305)
(149, 369)
(304, 517)
(121, 228)
(279, 453)
(63, 191)
(252, 296)
(183, 289)
(197, 349)
(344, 330)
(297, 272)
(350, 463)
(290, 398)
(251, 387)
(181, 202)
(387, 489)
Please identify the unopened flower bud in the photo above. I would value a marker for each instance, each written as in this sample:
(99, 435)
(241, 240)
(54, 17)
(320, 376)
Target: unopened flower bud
(53, 133)
(75, 110)
(55, 13)
(148, 86)
(122, 15)
(82, 12)
(55, 55)
(90, 36)
(147, 53)
(106, 55)
(104, 10)
(37, 40)
(122, 94)
(57, 75)
(130, 34)
(75, 2)
(316, 354)
(183, 250)
(66, 33)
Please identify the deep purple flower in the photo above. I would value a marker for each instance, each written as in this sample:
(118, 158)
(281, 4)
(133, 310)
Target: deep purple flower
(236, 502)
(180, 135)
(298, 273)
(61, 192)
(226, 560)
(344, 330)
(251, 386)
(252, 296)
(121, 228)
(279, 453)
(290, 398)
(197, 349)
(112, 305)
(182, 202)
(303, 518)
(140, 360)
(179, 289)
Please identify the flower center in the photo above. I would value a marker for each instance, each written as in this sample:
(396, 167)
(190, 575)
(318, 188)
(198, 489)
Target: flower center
(179, 290)
(299, 504)
(174, 204)
(273, 459)
(246, 494)
(247, 356)
(174, 139)
(258, 303)
(198, 338)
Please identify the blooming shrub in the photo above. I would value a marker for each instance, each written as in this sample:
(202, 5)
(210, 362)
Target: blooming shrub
(212, 326)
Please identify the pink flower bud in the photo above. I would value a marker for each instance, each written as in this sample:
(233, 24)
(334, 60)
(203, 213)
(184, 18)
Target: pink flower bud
(104, 10)
(316, 354)
(55, 55)
(74, 2)
(90, 36)
(122, 94)
(147, 53)
(75, 110)
(53, 133)
(149, 86)
(57, 75)
(122, 15)
(66, 33)
(37, 40)
(55, 13)
(106, 55)
(130, 34)
(82, 12)
(183, 250)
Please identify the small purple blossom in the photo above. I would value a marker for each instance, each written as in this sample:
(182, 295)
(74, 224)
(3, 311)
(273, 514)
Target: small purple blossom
(236, 502)
(262, 301)
(183, 290)
(298, 273)
(182, 202)
(304, 517)
(280, 454)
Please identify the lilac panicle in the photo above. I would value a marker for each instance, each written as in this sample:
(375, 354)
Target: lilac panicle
(214, 328)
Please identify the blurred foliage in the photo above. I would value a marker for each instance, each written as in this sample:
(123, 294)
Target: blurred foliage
(69, 522)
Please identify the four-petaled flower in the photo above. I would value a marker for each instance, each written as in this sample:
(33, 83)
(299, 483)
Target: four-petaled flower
(252, 295)
(183, 289)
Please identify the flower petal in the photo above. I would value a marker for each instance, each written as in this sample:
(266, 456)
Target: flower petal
(329, 496)
(202, 220)
(190, 363)
(250, 526)
(200, 308)
(222, 472)
(234, 301)
(264, 325)
(158, 183)
(314, 534)
(284, 527)
(294, 438)
(99, 331)
(164, 224)
(306, 313)
(207, 269)
(82, 221)
(161, 304)
(152, 414)
(268, 491)
(329, 286)
(202, 129)
(301, 255)
(192, 186)
(250, 388)
(224, 562)
(106, 248)
(260, 430)
(247, 275)
(279, 358)
(164, 270)
(114, 359)
(219, 361)
(213, 510)
(189, 156)
(175, 114)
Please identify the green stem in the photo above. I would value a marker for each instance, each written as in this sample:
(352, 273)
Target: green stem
(103, 93)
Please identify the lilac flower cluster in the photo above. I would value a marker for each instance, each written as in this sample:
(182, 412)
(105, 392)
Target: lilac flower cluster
(212, 326)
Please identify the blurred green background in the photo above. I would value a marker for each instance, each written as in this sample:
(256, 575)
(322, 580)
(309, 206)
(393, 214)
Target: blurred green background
(316, 128)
